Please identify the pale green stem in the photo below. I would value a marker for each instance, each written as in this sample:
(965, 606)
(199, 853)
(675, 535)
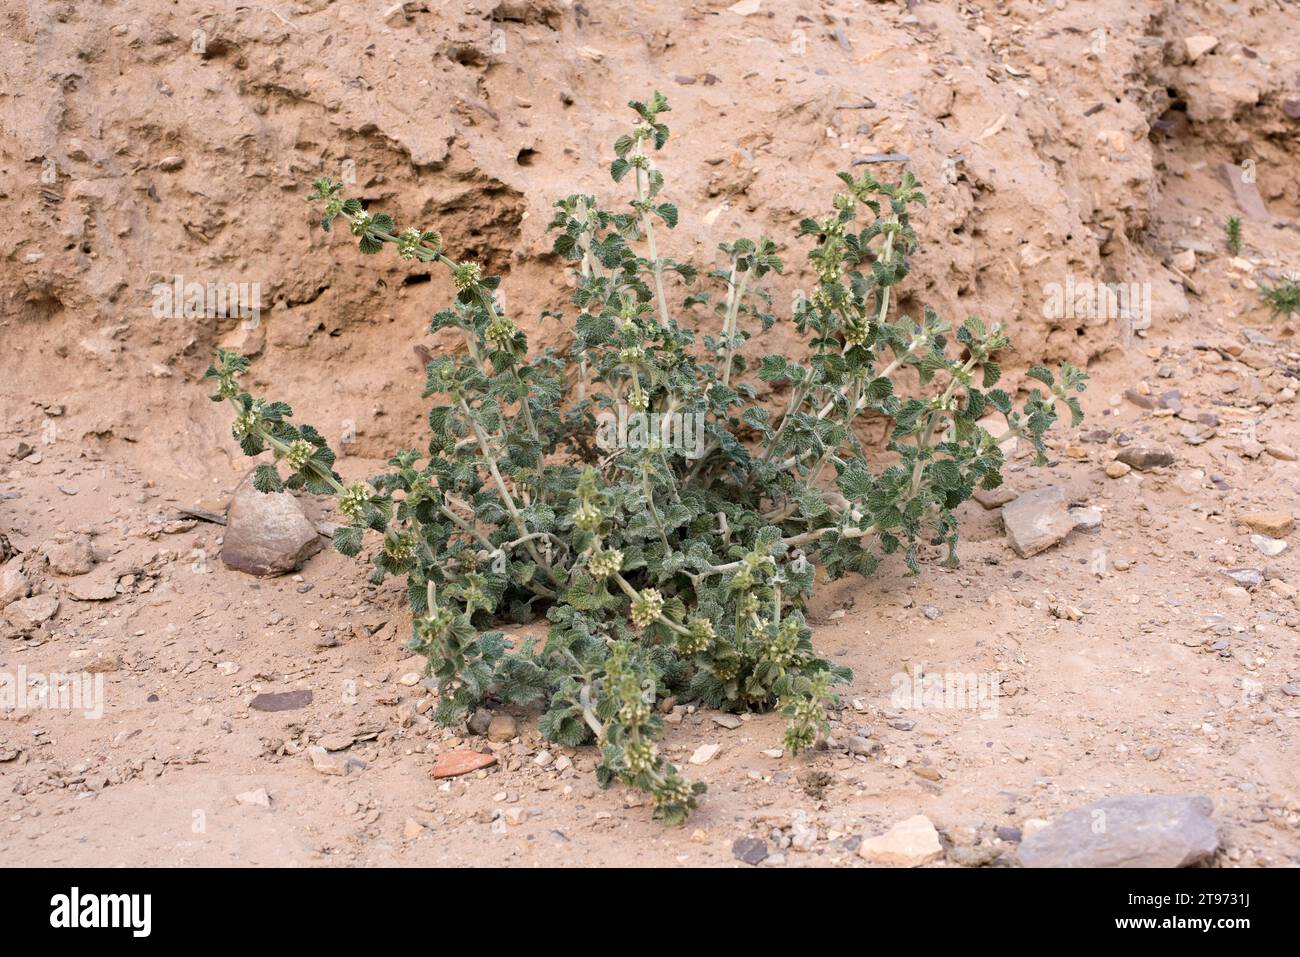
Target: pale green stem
(731, 328)
(648, 228)
(506, 498)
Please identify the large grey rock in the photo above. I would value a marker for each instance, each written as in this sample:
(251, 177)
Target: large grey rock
(1037, 520)
(1131, 831)
(266, 533)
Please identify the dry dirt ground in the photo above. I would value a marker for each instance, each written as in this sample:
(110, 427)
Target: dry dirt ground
(1127, 661)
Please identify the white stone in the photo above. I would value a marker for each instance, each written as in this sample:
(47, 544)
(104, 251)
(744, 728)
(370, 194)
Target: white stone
(1200, 45)
(705, 753)
(257, 798)
(1032, 826)
(908, 843)
(1269, 546)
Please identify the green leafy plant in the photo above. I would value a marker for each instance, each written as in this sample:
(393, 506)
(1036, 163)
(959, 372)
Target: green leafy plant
(1283, 297)
(1233, 235)
(663, 567)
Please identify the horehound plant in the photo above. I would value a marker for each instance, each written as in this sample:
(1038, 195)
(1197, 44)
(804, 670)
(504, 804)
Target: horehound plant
(663, 573)
(1283, 296)
(1232, 235)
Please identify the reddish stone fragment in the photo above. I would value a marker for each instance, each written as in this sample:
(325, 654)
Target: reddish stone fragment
(451, 764)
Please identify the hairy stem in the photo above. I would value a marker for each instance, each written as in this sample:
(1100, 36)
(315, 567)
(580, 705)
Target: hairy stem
(648, 228)
(506, 498)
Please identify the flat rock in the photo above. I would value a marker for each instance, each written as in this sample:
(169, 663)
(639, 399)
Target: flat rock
(728, 721)
(705, 753)
(1037, 520)
(451, 764)
(329, 762)
(257, 798)
(1272, 524)
(750, 850)
(1245, 577)
(266, 533)
(1130, 831)
(281, 700)
(908, 843)
(1144, 458)
(70, 558)
(1271, 547)
(28, 613)
(101, 586)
